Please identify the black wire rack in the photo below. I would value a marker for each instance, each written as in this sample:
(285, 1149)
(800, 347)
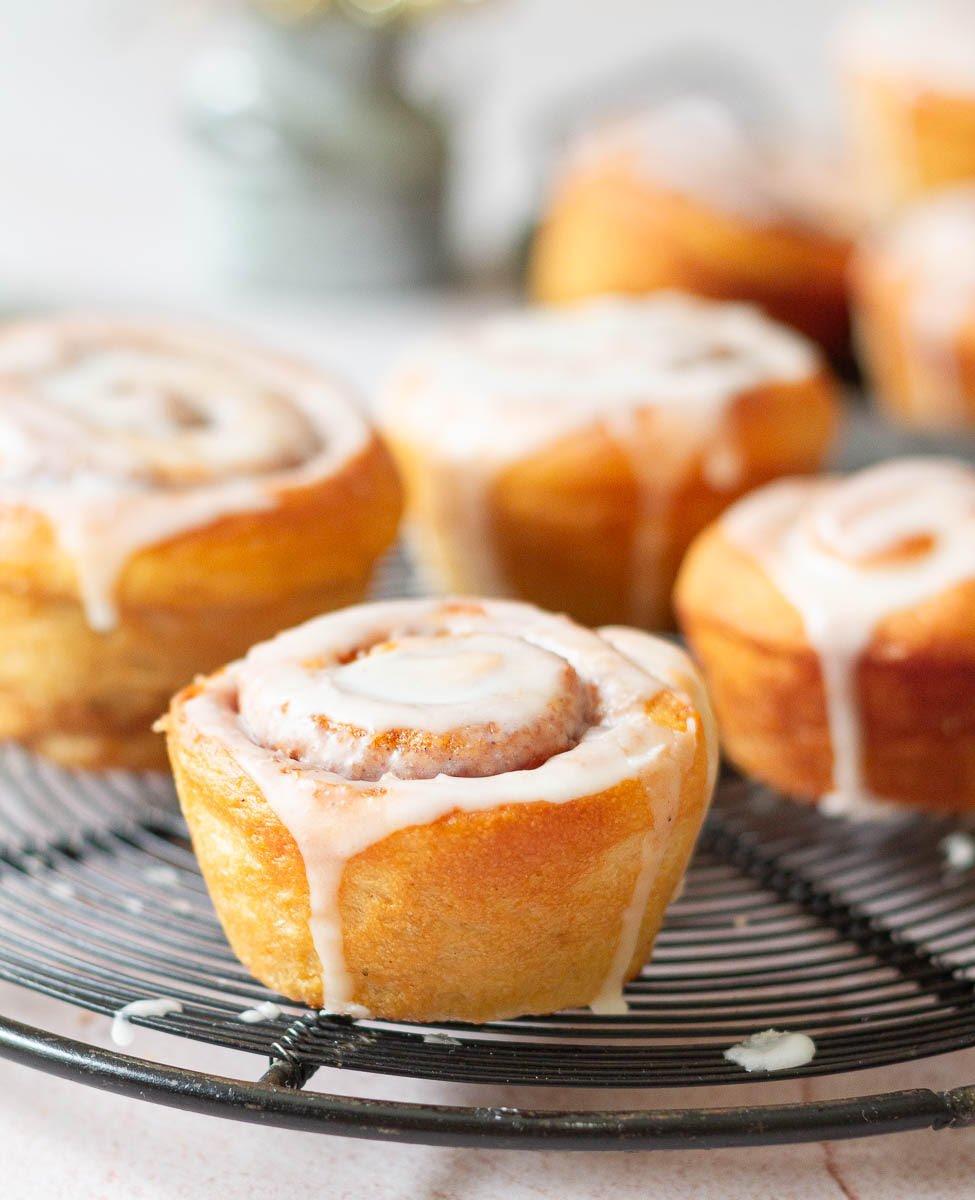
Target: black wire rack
(860, 935)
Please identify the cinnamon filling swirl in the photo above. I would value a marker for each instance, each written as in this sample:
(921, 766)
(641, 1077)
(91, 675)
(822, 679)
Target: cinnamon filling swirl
(416, 707)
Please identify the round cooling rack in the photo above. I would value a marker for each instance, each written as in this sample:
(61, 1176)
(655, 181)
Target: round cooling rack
(860, 935)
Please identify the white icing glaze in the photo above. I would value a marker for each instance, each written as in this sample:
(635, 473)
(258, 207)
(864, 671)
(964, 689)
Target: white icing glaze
(772, 1051)
(823, 543)
(162, 874)
(697, 147)
(266, 1010)
(122, 1032)
(667, 661)
(927, 45)
(436, 1038)
(959, 851)
(329, 713)
(125, 435)
(660, 372)
(332, 818)
(932, 248)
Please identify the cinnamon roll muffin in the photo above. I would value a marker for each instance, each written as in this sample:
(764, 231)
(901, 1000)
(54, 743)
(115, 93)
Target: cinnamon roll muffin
(909, 72)
(683, 196)
(835, 622)
(568, 456)
(445, 810)
(914, 296)
(166, 498)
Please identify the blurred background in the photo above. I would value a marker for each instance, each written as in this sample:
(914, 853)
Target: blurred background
(203, 151)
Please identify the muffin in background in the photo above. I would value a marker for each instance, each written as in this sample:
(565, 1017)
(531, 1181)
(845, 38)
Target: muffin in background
(834, 619)
(913, 283)
(168, 496)
(683, 196)
(568, 455)
(909, 81)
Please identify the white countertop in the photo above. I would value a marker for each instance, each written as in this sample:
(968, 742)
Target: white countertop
(62, 1140)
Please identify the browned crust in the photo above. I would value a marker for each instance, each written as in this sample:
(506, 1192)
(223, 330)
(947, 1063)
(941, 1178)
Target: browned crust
(316, 531)
(185, 606)
(477, 916)
(609, 230)
(916, 683)
(562, 521)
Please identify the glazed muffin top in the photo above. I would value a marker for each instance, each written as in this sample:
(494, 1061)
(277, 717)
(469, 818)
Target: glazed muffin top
(930, 243)
(125, 434)
(514, 383)
(839, 560)
(699, 148)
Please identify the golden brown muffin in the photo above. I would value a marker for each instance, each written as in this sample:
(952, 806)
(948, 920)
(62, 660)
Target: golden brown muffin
(682, 197)
(909, 75)
(166, 498)
(568, 456)
(835, 623)
(914, 292)
(445, 810)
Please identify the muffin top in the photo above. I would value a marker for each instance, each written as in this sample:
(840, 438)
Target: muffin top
(699, 148)
(514, 383)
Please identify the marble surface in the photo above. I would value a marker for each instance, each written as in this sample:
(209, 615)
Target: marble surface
(60, 1139)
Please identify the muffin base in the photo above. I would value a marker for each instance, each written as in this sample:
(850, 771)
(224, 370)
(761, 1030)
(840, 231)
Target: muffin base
(477, 916)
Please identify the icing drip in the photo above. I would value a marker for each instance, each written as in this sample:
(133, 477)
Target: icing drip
(123, 436)
(657, 375)
(848, 553)
(122, 1032)
(476, 682)
(958, 849)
